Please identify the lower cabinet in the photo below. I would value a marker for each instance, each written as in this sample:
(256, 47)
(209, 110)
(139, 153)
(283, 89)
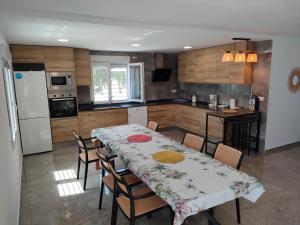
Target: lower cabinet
(194, 119)
(189, 118)
(62, 129)
(186, 117)
(162, 114)
(102, 118)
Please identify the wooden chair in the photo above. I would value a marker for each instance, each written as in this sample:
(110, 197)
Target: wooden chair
(107, 178)
(233, 158)
(134, 203)
(85, 155)
(152, 125)
(193, 141)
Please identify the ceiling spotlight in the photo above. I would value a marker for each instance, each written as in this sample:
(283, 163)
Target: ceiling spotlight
(136, 45)
(187, 47)
(62, 40)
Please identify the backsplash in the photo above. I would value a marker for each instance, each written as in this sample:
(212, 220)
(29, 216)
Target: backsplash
(225, 92)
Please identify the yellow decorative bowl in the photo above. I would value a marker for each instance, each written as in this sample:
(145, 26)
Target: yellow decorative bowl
(168, 156)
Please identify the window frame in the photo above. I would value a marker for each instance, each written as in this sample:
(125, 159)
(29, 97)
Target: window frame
(142, 82)
(11, 102)
(93, 86)
(109, 83)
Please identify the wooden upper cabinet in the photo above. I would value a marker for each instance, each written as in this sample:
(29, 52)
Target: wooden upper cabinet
(27, 53)
(206, 66)
(82, 67)
(59, 59)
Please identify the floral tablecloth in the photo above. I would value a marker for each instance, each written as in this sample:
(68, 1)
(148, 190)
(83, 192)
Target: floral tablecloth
(195, 184)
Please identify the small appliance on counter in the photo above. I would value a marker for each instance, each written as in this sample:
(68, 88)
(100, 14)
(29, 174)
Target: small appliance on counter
(254, 103)
(213, 101)
(232, 103)
(194, 98)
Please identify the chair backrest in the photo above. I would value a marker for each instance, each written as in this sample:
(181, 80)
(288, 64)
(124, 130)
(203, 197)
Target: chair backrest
(81, 145)
(76, 136)
(105, 161)
(193, 141)
(152, 125)
(229, 156)
(121, 184)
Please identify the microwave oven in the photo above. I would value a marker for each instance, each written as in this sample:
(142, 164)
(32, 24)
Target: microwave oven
(60, 81)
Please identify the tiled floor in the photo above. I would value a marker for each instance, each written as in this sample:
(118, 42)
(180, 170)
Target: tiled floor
(43, 182)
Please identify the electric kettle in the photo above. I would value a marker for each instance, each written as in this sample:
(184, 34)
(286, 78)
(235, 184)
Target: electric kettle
(194, 98)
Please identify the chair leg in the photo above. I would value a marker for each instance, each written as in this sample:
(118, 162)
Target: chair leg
(211, 212)
(114, 213)
(172, 215)
(101, 190)
(132, 221)
(78, 168)
(85, 175)
(238, 215)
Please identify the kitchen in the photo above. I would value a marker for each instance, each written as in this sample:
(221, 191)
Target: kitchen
(69, 80)
(82, 86)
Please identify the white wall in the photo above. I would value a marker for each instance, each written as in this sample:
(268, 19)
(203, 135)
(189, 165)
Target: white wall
(283, 121)
(10, 157)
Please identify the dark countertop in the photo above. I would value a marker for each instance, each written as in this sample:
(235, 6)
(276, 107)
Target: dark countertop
(239, 112)
(94, 107)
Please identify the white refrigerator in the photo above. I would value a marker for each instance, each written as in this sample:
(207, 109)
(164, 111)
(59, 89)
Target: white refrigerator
(33, 111)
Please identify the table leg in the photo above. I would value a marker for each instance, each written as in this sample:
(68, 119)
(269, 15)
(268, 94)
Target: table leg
(211, 219)
(225, 131)
(206, 133)
(258, 133)
(95, 144)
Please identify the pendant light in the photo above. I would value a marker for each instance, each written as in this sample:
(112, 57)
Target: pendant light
(252, 57)
(241, 56)
(227, 57)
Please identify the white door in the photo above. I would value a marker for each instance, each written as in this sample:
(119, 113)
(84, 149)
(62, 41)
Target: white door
(138, 115)
(35, 135)
(31, 93)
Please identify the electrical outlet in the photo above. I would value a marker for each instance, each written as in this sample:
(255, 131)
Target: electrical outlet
(261, 98)
(174, 90)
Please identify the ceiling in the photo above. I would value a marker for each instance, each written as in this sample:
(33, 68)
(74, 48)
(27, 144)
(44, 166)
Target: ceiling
(164, 26)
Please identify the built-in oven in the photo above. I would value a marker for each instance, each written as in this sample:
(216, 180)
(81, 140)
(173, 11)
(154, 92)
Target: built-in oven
(62, 106)
(60, 81)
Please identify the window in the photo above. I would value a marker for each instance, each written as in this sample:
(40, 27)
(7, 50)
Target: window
(117, 82)
(10, 99)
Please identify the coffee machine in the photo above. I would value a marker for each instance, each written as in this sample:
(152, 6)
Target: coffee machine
(213, 100)
(254, 103)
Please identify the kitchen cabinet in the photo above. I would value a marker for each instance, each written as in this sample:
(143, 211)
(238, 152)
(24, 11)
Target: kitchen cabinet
(162, 114)
(193, 119)
(206, 66)
(62, 129)
(82, 67)
(138, 115)
(27, 53)
(89, 120)
(59, 59)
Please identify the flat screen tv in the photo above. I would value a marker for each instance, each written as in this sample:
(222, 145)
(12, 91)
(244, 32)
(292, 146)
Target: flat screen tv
(159, 75)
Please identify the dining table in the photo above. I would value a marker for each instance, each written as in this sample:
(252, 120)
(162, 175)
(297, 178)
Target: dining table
(195, 184)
